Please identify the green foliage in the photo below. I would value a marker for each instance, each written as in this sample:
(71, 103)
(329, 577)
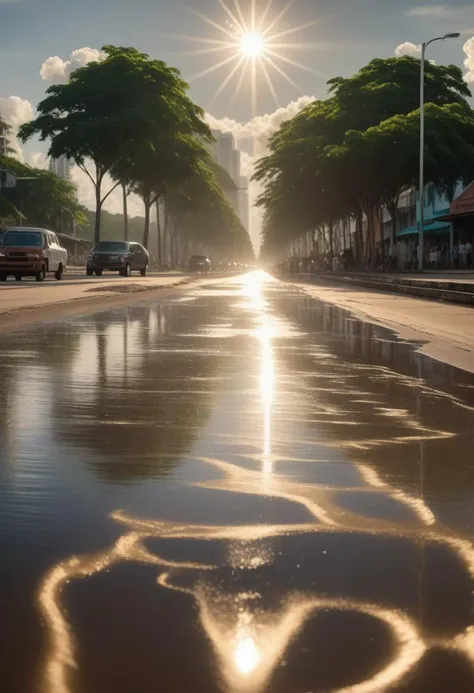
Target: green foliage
(42, 200)
(358, 150)
(110, 110)
(202, 213)
(131, 117)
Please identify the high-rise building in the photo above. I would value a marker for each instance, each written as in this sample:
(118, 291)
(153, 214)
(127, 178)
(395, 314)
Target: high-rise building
(225, 153)
(235, 173)
(244, 207)
(61, 167)
(223, 148)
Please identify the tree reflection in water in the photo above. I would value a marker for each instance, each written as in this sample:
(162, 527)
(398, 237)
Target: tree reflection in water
(137, 395)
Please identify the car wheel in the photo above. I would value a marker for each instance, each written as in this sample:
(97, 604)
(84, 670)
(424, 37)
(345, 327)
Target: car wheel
(89, 272)
(143, 271)
(41, 275)
(59, 272)
(98, 273)
(18, 277)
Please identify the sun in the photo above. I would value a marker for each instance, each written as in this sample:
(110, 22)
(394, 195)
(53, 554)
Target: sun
(252, 44)
(253, 48)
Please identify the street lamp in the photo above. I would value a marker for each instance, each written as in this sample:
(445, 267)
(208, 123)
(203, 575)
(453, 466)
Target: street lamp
(424, 46)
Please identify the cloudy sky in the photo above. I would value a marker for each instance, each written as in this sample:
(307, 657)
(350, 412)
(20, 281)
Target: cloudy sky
(41, 41)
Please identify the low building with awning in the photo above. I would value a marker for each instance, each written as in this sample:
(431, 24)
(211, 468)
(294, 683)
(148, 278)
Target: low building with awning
(461, 215)
(434, 228)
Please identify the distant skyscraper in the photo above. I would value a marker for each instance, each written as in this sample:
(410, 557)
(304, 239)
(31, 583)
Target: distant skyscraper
(226, 154)
(236, 167)
(223, 148)
(61, 167)
(244, 207)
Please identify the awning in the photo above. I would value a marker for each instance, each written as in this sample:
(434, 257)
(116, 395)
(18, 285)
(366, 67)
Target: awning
(436, 228)
(455, 217)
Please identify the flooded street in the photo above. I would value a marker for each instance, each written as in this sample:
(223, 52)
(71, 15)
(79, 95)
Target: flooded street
(239, 489)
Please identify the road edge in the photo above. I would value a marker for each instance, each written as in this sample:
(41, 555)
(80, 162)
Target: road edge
(35, 315)
(440, 347)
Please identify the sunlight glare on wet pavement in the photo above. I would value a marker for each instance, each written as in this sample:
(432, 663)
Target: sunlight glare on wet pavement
(242, 479)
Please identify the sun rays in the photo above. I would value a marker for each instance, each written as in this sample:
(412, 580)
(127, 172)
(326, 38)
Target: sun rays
(249, 47)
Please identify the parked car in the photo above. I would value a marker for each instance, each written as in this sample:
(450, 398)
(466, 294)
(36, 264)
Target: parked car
(118, 256)
(31, 252)
(199, 263)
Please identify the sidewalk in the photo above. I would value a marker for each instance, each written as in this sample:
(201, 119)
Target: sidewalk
(452, 286)
(441, 330)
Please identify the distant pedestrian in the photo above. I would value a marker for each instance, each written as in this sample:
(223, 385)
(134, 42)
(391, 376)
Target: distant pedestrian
(455, 255)
(462, 255)
(468, 251)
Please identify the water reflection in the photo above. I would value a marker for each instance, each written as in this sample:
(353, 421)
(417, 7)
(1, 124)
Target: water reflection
(272, 397)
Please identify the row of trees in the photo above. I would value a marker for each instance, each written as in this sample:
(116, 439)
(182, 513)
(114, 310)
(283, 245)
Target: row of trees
(355, 152)
(128, 119)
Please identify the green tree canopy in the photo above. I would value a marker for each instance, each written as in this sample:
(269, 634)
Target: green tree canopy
(358, 149)
(108, 109)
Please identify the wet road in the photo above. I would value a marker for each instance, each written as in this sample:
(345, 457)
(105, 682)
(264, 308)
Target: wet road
(237, 489)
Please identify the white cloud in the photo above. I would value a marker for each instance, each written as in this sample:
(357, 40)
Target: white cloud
(469, 61)
(430, 11)
(16, 111)
(408, 49)
(37, 160)
(259, 128)
(57, 71)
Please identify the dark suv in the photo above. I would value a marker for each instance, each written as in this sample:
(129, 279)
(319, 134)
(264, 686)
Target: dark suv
(199, 263)
(117, 256)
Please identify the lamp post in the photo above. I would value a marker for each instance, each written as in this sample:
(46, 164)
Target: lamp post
(424, 46)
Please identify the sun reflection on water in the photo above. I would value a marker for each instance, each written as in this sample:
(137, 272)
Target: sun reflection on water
(265, 333)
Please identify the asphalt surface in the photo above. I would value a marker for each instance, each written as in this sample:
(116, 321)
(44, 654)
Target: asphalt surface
(29, 294)
(236, 488)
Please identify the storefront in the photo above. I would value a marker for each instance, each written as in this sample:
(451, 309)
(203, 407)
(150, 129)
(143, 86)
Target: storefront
(461, 216)
(437, 237)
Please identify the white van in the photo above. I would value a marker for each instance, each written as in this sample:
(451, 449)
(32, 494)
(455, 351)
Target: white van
(31, 252)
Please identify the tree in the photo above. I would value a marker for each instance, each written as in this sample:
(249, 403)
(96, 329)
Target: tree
(358, 149)
(109, 108)
(40, 198)
(159, 163)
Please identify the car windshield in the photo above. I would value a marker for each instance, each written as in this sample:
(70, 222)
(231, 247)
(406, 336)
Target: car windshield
(114, 246)
(31, 240)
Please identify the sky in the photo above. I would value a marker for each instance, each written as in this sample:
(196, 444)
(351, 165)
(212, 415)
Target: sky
(41, 41)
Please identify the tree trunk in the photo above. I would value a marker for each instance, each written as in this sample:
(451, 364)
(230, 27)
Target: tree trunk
(359, 238)
(165, 235)
(146, 232)
(331, 245)
(393, 211)
(98, 211)
(125, 212)
(174, 248)
(158, 231)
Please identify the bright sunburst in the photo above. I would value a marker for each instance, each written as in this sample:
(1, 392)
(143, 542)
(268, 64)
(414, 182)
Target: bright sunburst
(250, 45)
